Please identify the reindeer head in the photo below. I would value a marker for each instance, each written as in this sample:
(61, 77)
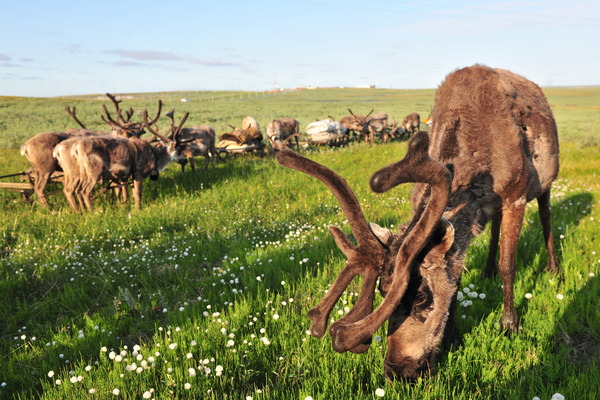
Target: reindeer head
(417, 269)
(167, 149)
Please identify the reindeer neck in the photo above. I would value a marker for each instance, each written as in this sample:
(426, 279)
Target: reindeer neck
(468, 210)
(162, 157)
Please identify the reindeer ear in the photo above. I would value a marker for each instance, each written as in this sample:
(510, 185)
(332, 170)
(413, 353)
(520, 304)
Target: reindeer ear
(445, 233)
(383, 234)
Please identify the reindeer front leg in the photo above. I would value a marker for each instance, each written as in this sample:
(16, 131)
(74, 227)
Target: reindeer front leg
(510, 228)
(137, 192)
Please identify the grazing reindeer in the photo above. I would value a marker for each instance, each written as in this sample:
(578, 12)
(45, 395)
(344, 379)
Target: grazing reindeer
(195, 141)
(411, 124)
(87, 159)
(377, 124)
(281, 131)
(38, 149)
(356, 123)
(493, 147)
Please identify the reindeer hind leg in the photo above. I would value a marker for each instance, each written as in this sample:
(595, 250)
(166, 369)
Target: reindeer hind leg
(546, 217)
(490, 268)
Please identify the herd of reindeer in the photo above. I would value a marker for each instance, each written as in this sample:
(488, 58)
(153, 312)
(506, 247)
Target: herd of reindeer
(120, 156)
(491, 148)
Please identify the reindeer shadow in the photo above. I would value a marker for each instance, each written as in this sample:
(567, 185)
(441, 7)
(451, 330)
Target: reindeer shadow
(577, 330)
(531, 252)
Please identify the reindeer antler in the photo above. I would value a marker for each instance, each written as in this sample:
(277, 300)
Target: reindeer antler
(160, 106)
(174, 131)
(366, 116)
(416, 166)
(366, 259)
(116, 103)
(179, 127)
(149, 127)
(72, 114)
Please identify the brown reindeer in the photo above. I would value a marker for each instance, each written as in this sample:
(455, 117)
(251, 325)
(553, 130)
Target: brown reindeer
(38, 149)
(281, 131)
(356, 124)
(493, 147)
(377, 125)
(87, 159)
(411, 124)
(195, 141)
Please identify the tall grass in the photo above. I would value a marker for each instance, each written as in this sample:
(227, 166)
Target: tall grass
(204, 293)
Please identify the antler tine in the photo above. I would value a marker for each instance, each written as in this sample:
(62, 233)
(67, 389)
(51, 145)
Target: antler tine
(160, 106)
(116, 103)
(178, 130)
(416, 166)
(72, 114)
(366, 259)
(171, 116)
(129, 113)
(351, 113)
(152, 131)
(109, 119)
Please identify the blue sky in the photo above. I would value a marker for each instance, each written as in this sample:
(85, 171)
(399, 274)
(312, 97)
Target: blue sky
(63, 47)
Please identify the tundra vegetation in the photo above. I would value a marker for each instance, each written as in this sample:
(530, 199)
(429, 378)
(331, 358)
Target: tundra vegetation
(205, 292)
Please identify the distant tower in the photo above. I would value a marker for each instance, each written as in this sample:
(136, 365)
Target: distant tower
(275, 87)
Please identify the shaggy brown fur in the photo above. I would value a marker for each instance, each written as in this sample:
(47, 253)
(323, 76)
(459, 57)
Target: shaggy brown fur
(198, 141)
(493, 146)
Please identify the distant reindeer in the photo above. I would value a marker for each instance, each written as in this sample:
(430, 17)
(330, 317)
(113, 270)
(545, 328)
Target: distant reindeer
(195, 141)
(377, 125)
(87, 159)
(492, 147)
(281, 131)
(411, 124)
(356, 124)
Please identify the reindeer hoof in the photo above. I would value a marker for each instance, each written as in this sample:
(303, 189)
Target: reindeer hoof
(319, 325)
(511, 325)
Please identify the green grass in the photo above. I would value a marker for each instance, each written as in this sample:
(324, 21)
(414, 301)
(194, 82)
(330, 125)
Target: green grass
(240, 253)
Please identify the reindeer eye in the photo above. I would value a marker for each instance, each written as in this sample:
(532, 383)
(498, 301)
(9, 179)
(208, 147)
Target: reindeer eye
(423, 298)
(420, 298)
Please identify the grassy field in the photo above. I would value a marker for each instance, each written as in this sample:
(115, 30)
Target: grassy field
(204, 293)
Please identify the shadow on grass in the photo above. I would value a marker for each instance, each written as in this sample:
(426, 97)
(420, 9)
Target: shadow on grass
(66, 299)
(531, 253)
(569, 361)
(571, 355)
